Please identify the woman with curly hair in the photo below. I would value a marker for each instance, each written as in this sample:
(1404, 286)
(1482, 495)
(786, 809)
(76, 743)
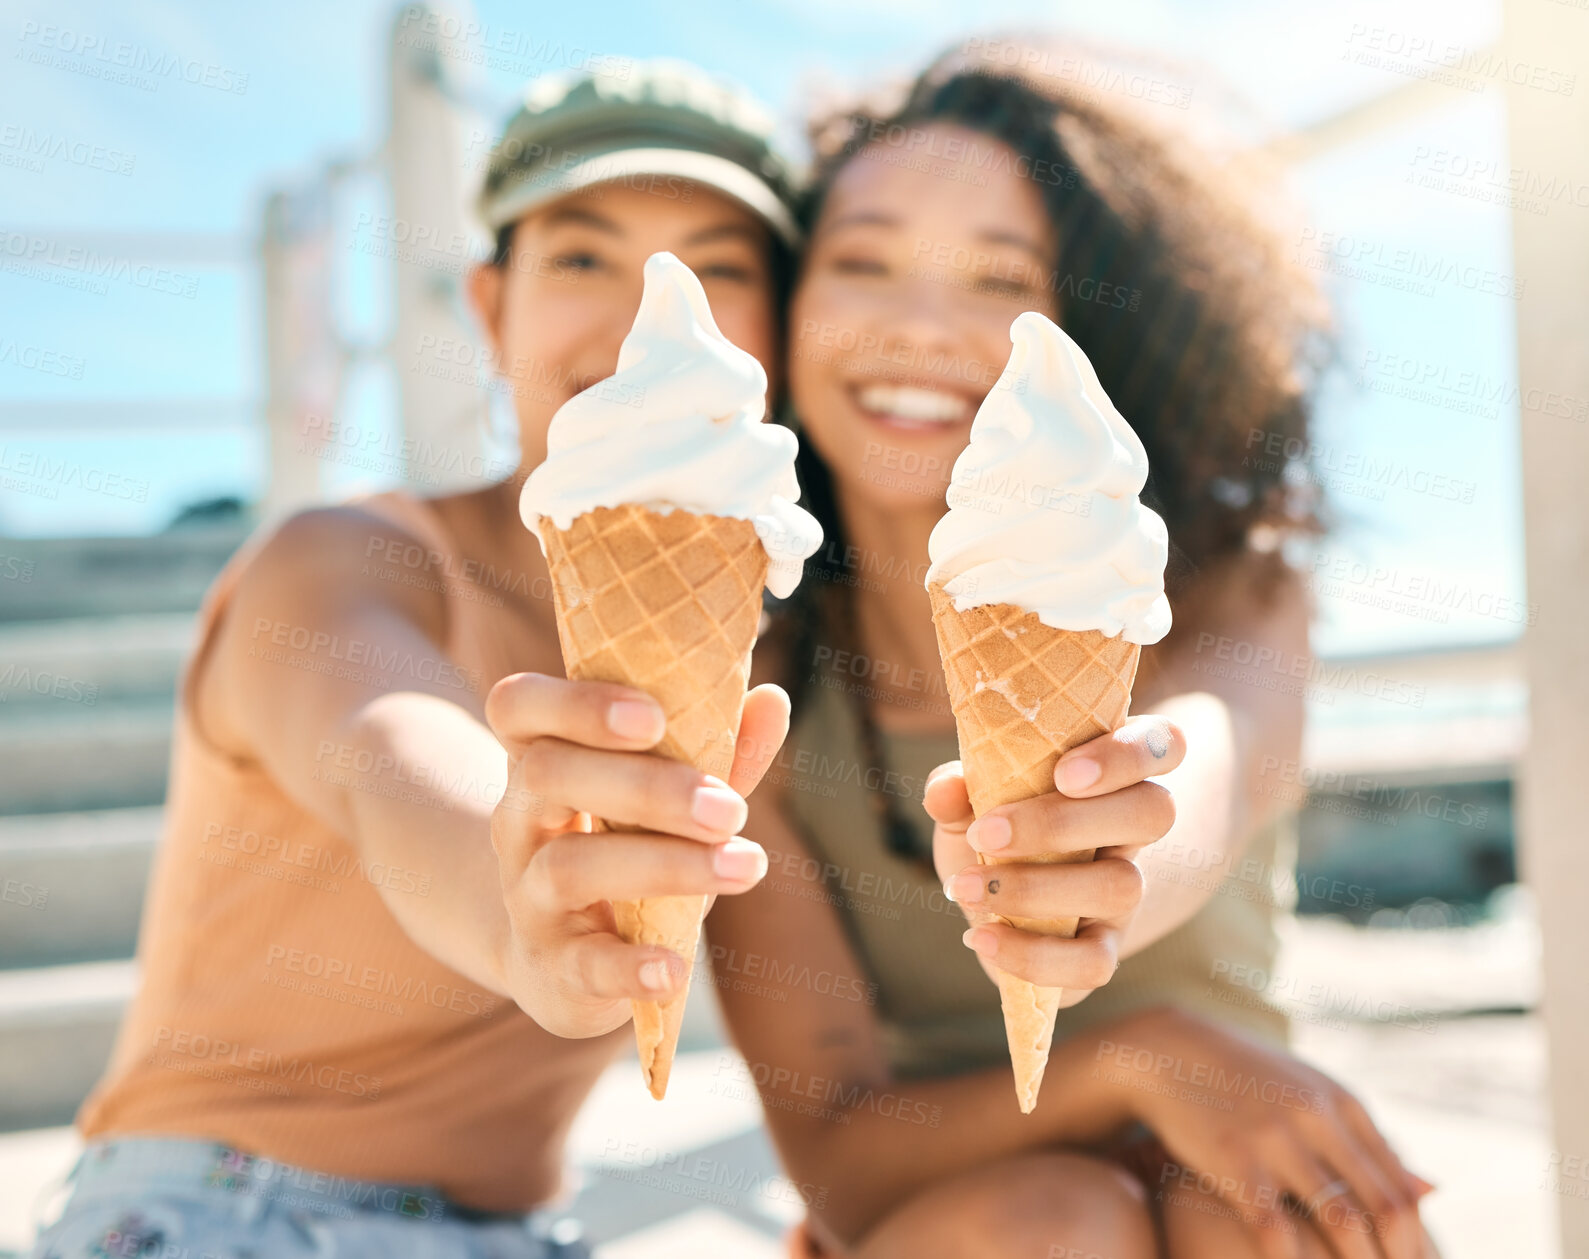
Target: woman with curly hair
(867, 1019)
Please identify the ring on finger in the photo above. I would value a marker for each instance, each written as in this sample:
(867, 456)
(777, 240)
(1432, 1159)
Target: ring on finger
(1329, 1193)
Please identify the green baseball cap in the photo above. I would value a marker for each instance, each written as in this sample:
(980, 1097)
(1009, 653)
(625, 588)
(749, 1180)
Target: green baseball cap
(663, 118)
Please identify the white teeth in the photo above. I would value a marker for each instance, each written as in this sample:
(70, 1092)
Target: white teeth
(910, 403)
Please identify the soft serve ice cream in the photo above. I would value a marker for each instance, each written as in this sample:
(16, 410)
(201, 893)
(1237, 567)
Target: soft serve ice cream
(1044, 512)
(677, 426)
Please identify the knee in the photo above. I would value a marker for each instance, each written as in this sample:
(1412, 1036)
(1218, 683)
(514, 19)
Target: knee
(1063, 1206)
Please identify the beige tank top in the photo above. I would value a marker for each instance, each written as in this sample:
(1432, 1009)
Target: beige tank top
(284, 1011)
(939, 1012)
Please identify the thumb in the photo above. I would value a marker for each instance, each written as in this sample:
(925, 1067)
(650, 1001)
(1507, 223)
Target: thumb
(762, 728)
(949, 807)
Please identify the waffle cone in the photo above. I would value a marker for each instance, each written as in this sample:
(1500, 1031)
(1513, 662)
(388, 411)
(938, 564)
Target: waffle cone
(1023, 694)
(669, 603)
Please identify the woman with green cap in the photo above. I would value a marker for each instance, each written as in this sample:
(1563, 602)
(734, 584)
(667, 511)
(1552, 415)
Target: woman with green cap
(332, 1050)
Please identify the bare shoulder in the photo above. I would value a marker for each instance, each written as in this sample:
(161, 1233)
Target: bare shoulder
(1246, 592)
(321, 571)
(1243, 610)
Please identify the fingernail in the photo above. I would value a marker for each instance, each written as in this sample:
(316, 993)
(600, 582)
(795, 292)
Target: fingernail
(964, 889)
(718, 807)
(656, 976)
(739, 860)
(989, 834)
(1420, 1184)
(635, 719)
(1077, 775)
(983, 943)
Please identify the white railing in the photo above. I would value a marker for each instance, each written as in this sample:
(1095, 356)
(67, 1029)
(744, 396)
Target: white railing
(428, 238)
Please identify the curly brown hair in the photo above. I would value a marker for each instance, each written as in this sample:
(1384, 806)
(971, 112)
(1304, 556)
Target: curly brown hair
(1212, 354)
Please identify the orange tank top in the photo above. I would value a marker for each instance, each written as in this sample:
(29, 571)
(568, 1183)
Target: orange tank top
(284, 1011)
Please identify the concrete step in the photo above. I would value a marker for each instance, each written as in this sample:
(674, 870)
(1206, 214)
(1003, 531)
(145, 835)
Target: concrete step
(72, 884)
(71, 754)
(57, 1026)
(85, 710)
(33, 1169)
(91, 662)
(53, 578)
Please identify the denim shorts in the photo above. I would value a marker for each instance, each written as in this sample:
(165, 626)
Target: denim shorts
(160, 1198)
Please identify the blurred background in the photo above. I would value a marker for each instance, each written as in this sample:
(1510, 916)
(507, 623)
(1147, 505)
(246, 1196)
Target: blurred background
(231, 247)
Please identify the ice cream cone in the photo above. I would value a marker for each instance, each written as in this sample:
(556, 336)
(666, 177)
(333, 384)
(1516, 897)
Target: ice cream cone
(669, 603)
(664, 505)
(1023, 694)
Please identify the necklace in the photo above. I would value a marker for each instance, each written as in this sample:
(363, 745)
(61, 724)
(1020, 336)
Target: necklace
(898, 835)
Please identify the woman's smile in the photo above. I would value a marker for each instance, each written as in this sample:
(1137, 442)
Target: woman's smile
(913, 407)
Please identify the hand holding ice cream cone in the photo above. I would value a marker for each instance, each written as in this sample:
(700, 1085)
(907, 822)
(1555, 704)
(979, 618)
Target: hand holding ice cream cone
(1047, 578)
(664, 507)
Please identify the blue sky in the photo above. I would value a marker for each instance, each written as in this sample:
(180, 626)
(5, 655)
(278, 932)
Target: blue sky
(198, 160)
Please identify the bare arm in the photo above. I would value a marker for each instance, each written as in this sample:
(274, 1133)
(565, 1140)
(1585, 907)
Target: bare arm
(1234, 715)
(335, 682)
(841, 1123)
(859, 1143)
